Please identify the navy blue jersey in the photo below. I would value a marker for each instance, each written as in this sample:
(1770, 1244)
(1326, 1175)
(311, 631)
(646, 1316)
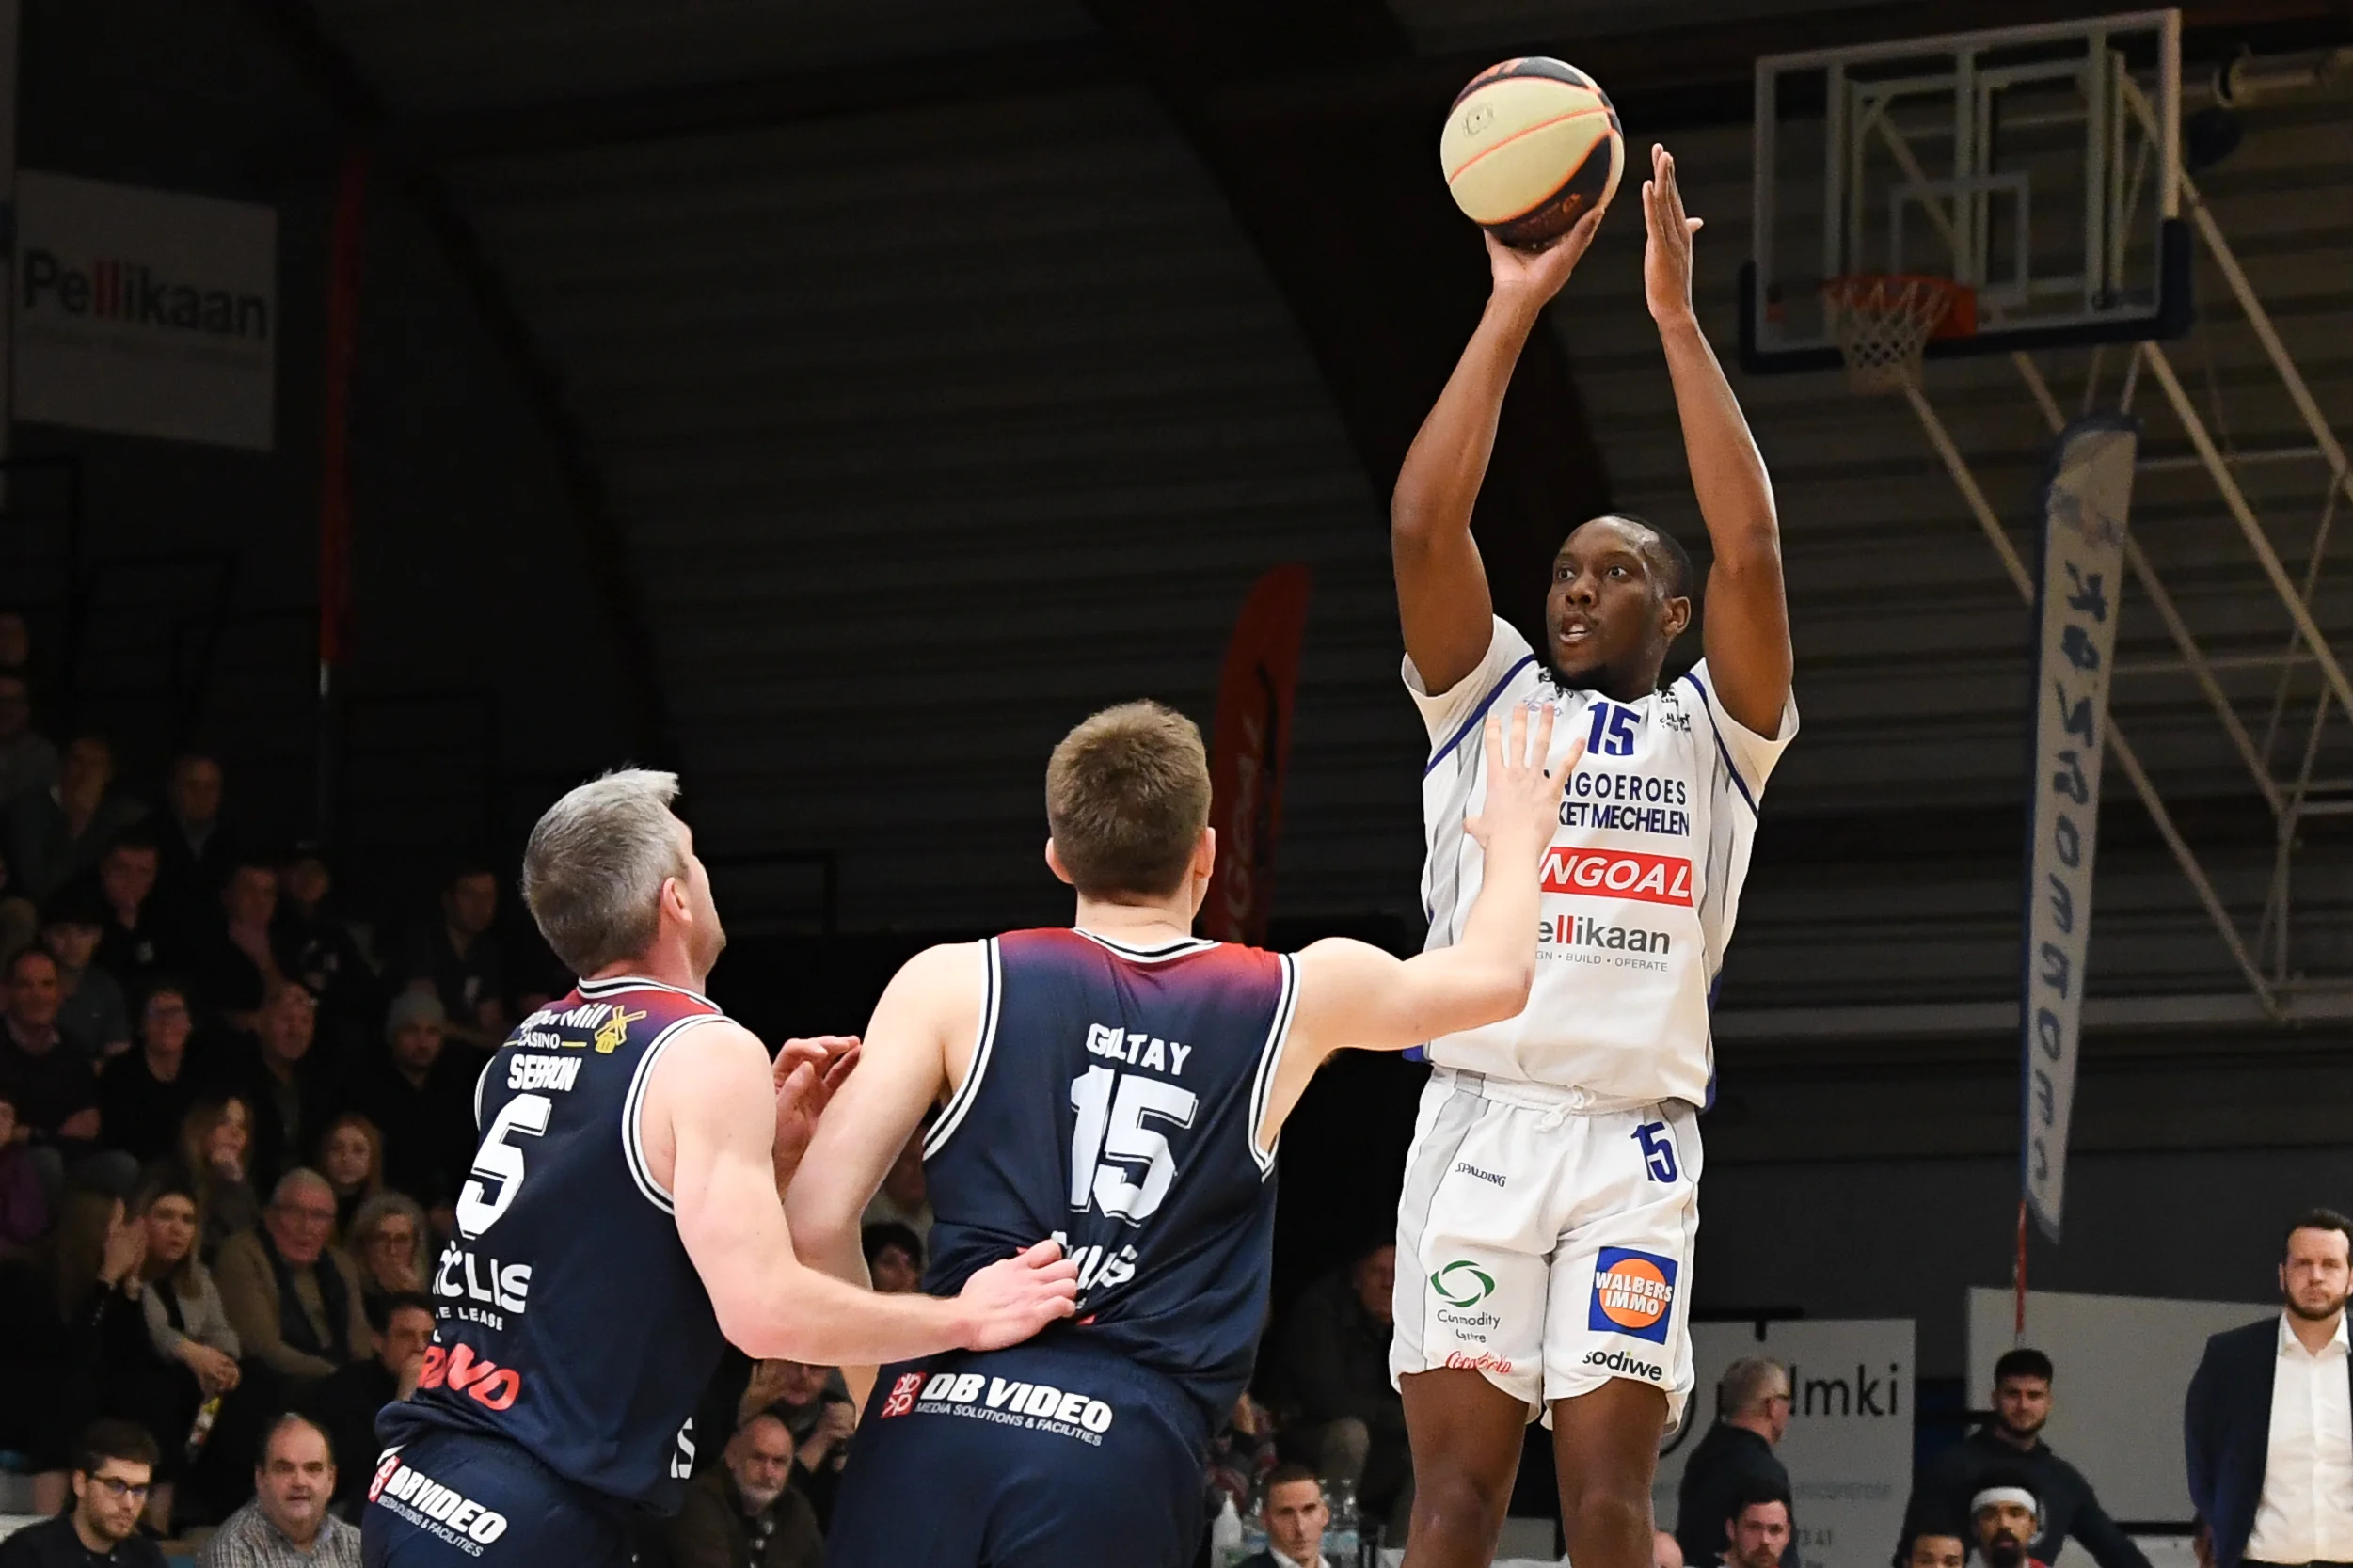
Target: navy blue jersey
(1113, 1103)
(571, 1322)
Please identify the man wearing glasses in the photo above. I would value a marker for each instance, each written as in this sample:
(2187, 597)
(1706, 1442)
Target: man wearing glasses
(294, 1300)
(111, 1468)
(1735, 1459)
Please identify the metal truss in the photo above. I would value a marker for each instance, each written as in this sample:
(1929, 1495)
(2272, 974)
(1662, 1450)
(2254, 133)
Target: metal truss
(2263, 957)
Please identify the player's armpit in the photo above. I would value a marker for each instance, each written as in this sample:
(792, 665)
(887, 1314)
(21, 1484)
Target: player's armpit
(902, 1069)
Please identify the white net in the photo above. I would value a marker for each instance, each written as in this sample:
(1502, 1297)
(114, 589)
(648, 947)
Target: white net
(1882, 322)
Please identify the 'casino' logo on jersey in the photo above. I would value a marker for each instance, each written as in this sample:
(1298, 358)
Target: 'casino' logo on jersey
(1617, 873)
(1633, 1294)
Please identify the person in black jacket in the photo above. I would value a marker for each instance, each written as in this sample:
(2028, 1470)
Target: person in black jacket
(113, 1464)
(1735, 1460)
(2281, 1388)
(345, 1406)
(2012, 1443)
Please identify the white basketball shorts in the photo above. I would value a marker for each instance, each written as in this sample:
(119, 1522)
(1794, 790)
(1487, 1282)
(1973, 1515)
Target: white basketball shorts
(1545, 1247)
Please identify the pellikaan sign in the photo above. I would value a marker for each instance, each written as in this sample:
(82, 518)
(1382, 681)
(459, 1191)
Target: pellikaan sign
(144, 313)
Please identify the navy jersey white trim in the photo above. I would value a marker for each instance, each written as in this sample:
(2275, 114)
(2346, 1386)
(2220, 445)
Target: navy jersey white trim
(1263, 1088)
(1147, 955)
(992, 982)
(633, 1109)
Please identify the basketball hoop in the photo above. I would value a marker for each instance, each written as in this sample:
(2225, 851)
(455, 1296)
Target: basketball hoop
(1883, 321)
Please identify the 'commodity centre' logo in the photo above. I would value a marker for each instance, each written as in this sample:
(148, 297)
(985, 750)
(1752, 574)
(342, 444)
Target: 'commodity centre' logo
(1462, 1283)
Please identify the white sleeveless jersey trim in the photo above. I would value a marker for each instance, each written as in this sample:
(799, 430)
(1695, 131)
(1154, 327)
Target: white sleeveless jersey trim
(1641, 885)
(632, 1136)
(596, 990)
(984, 1043)
(1184, 947)
(1269, 1060)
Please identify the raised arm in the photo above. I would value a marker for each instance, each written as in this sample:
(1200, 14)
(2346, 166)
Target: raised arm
(1745, 630)
(1352, 994)
(1443, 594)
(931, 1005)
(710, 1108)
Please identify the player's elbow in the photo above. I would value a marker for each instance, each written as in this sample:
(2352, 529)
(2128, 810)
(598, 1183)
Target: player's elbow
(1493, 991)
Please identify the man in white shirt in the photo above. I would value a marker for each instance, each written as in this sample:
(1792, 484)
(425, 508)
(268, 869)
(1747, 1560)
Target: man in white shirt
(2268, 1425)
(1545, 1235)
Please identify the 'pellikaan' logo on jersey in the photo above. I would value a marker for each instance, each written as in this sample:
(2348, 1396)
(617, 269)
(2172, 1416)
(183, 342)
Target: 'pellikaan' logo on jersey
(1007, 1402)
(1618, 874)
(449, 1515)
(1578, 930)
(1633, 1294)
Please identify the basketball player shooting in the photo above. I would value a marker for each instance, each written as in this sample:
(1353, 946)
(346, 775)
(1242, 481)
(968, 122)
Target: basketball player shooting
(1122, 1085)
(1544, 1239)
(625, 1219)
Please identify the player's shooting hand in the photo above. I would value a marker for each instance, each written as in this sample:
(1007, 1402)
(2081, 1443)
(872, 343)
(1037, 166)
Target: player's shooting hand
(807, 1071)
(1666, 257)
(1536, 276)
(1523, 797)
(1011, 1300)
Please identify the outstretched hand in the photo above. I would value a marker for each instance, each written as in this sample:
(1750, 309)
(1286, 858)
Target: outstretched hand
(1014, 1297)
(807, 1071)
(1666, 257)
(1536, 276)
(1523, 798)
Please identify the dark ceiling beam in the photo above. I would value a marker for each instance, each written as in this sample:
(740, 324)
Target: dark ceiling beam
(762, 103)
(354, 100)
(1385, 279)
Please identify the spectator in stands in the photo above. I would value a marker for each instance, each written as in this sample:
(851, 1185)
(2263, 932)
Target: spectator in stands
(233, 964)
(114, 1465)
(745, 1513)
(144, 1095)
(1756, 1530)
(94, 1013)
(52, 833)
(23, 1193)
(816, 1409)
(196, 852)
(1735, 1459)
(216, 1147)
(2268, 1425)
(95, 1261)
(29, 759)
(1295, 1514)
(51, 1085)
(894, 1257)
(1334, 1365)
(287, 1524)
(130, 947)
(195, 1351)
(388, 1243)
(293, 1299)
(2012, 1442)
(422, 1100)
(290, 1092)
(399, 1329)
(901, 1200)
(2005, 1514)
(315, 945)
(351, 1157)
(457, 957)
(1241, 1455)
(1940, 1545)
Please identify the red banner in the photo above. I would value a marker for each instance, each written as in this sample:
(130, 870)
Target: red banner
(1249, 753)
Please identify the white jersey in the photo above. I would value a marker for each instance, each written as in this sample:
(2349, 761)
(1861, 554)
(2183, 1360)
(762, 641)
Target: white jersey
(1641, 885)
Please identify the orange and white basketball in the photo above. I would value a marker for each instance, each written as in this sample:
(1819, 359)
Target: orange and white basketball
(1531, 146)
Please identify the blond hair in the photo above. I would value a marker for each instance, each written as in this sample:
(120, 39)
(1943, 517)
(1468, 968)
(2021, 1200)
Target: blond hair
(594, 868)
(1127, 795)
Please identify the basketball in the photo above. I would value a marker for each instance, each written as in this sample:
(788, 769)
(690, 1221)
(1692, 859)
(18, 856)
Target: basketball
(1531, 146)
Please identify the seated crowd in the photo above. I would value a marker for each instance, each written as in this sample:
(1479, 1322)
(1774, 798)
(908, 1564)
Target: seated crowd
(234, 1123)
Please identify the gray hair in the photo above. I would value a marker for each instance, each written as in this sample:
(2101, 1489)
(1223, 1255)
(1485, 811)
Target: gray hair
(295, 1181)
(375, 1211)
(594, 868)
(1747, 1384)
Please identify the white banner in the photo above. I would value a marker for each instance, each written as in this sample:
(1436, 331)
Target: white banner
(144, 313)
(2084, 507)
(1849, 1446)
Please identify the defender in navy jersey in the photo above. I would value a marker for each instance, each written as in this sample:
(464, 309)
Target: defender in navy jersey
(1122, 1086)
(624, 1220)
